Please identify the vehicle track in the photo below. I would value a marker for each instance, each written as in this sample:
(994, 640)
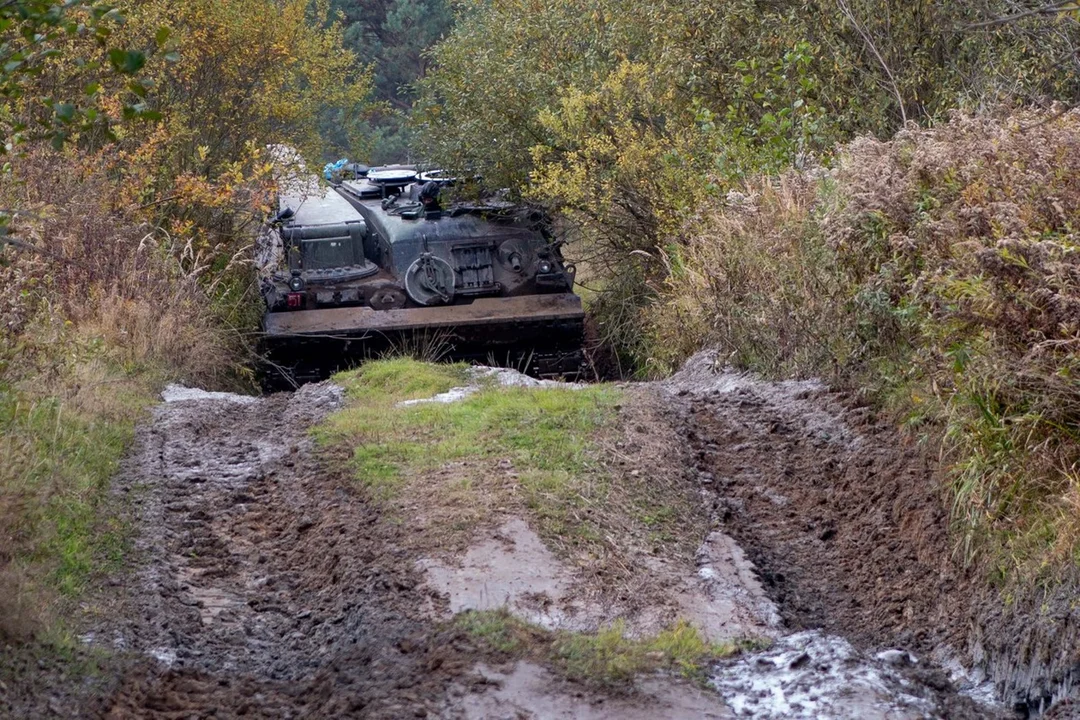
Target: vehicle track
(267, 587)
(263, 584)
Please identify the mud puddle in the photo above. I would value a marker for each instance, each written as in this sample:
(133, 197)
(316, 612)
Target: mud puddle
(811, 675)
(802, 676)
(513, 569)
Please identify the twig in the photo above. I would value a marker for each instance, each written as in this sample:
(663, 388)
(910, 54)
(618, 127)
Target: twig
(1051, 9)
(23, 245)
(1051, 118)
(873, 48)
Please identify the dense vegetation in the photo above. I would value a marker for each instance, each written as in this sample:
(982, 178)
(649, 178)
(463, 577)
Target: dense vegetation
(936, 274)
(137, 174)
(704, 158)
(745, 173)
(629, 117)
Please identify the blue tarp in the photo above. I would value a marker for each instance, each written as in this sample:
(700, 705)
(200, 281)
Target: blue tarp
(330, 168)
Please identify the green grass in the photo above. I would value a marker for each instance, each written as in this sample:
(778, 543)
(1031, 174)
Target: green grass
(57, 464)
(60, 444)
(608, 657)
(499, 631)
(604, 658)
(544, 434)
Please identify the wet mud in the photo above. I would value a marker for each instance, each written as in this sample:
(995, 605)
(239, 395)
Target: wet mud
(513, 569)
(526, 690)
(263, 584)
(841, 516)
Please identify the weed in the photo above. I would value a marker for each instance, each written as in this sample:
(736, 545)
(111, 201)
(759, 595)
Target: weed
(935, 274)
(608, 657)
(603, 658)
(58, 459)
(94, 324)
(499, 631)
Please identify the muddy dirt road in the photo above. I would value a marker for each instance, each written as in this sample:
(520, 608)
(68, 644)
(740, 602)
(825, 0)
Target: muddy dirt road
(263, 584)
(264, 589)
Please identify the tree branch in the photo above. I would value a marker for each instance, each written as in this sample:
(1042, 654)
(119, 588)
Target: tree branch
(1053, 8)
(873, 48)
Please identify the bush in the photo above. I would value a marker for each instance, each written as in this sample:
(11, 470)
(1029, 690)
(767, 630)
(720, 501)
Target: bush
(629, 117)
(98, 312)
(937, 272)
(126, 260)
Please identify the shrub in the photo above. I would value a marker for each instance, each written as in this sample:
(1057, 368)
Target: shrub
(125, 260)
(938, 272)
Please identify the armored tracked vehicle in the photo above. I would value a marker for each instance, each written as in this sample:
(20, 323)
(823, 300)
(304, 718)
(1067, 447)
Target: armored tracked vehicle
(376, 263)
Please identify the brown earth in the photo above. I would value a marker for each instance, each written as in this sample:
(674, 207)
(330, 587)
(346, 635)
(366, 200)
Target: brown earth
(268, 588)
(842, 516)
(263, 584)
(846, 521)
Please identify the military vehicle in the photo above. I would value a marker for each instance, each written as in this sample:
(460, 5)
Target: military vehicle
(376, 263)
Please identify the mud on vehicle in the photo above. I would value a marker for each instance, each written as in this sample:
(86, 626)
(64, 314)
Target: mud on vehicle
(376, 263)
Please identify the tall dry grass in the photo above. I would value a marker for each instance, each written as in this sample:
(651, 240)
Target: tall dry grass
(107, 276)
(97, 311)
(754, 277)
(939, 273)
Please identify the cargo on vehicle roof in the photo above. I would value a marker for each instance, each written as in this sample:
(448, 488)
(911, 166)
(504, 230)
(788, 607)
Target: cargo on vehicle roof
(377, 260)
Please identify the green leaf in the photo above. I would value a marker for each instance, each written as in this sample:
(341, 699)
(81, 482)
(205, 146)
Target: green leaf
(127, 62)
(92, 89)
(65, 112)
(162, 36)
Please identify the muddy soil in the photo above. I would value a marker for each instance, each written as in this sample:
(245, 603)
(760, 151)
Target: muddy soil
(264, 584)
(846, 521)
(841, 515)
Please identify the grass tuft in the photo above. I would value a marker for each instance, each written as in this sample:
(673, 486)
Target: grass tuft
(541, 437)
(606, 658)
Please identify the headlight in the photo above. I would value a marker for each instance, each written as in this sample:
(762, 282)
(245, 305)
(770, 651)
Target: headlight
(545, 266)
(296, 283)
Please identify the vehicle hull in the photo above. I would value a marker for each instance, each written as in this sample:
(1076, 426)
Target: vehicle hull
(538, 334)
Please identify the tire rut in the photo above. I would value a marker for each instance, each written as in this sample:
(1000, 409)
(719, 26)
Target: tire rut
(265, 586)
